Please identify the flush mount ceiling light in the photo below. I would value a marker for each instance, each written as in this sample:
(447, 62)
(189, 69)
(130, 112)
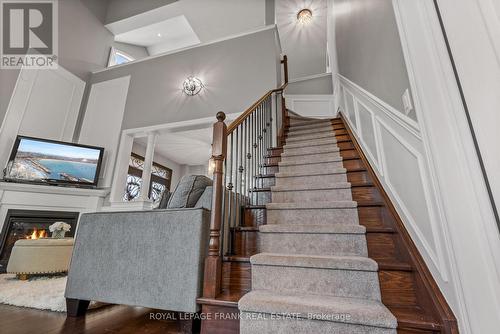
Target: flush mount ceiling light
(304, 16)
(192, 86)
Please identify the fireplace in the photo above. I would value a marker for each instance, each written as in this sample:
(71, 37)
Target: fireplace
(30, 224)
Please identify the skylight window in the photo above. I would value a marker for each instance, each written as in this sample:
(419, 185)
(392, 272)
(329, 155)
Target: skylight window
(118, 57)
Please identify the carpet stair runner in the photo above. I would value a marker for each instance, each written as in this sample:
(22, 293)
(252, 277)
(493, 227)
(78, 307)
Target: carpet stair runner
(314, 274)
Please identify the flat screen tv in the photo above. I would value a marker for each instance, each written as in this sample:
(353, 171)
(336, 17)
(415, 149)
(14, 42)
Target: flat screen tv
(52, 162)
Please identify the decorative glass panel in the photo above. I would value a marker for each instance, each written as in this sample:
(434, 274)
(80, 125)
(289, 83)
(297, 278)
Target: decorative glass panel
(160, 179)
(136, 162)
(157, 190)
(160, 171)
(133, 188)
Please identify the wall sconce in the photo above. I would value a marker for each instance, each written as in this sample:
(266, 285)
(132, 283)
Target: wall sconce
(304, 16)
(192, 86)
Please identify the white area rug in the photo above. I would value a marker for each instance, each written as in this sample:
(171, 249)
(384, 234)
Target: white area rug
(43, 293)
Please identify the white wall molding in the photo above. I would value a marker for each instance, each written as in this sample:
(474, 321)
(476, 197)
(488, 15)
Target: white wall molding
(310, 77)
(417, 209)
(470, 240)
(403, 120)
(102, 122)
(45, 103)
(316, 106)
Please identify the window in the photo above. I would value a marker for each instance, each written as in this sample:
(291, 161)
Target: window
(161, 178)
(118, 57)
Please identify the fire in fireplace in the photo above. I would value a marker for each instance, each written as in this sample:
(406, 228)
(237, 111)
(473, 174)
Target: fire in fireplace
(24, 224)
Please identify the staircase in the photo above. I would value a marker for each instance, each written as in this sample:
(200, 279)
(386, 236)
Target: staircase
(314, 271)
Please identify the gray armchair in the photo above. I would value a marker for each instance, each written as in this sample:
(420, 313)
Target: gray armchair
(148, 258)
(143, 258)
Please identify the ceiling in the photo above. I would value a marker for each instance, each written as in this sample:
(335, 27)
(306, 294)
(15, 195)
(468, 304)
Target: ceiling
(186, 145)
(164, 36)
(305, 45)
(192, 147)
(188, 22)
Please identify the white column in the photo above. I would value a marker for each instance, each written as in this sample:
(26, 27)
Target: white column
(148, 166)
(121, 169)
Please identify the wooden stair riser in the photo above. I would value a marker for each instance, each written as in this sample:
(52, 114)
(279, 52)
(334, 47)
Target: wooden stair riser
(275, 150)
(265, 182)
(236, 276)
(261, 197)
(254, 217)
(245, 243)
(272, 160)
(269, 169)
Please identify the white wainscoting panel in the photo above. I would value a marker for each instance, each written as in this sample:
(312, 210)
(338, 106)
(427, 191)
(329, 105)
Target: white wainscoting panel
(316, 106)
(393, 145)
(103, 119)
(467, 230)
(45, 103)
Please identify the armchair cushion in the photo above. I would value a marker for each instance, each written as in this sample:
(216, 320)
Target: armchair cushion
(188, 191)
(164, 199)
(205, 200)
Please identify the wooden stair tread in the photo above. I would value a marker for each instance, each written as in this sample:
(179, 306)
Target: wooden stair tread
(370, 203)
(246, 228)
(380, 230)
(228, 299)
(362, 184)
(236, 258)
(265, 175)
(394, 266)
(414, 317)
(251, 207)
(264, 189)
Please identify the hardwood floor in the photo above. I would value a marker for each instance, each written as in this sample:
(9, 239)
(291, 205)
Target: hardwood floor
(108, 319)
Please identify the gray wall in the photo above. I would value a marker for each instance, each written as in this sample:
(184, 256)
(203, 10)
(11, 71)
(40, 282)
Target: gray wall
(83, 45)
(305, 46)
(321, 85)
(369, 49)
(235, 72)
(121, 9)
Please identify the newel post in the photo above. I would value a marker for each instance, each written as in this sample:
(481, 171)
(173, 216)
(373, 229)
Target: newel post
(213, 262)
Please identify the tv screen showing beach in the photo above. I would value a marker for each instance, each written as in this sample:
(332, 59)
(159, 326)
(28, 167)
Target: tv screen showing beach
(47, 161)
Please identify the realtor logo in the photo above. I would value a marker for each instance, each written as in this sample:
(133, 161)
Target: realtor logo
(28, 34)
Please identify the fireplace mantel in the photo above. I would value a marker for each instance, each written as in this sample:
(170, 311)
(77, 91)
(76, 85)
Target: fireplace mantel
(21, 196)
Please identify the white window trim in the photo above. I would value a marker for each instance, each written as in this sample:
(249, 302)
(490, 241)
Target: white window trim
(113, 52)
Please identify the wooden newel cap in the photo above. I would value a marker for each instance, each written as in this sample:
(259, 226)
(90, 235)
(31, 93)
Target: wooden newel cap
(221, 116)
